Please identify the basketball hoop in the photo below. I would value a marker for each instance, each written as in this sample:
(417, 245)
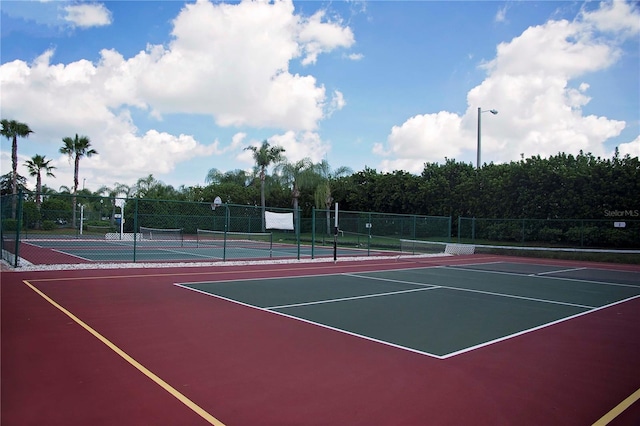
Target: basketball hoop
(217, 202)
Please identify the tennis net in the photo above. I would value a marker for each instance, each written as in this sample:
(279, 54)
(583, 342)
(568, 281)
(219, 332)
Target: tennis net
(434, 247)
(174, 235)
(235, 240)
(418, 247)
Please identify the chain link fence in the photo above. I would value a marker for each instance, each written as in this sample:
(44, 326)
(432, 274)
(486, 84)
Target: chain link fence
(588, 233)
(376, 231)
(67, 229)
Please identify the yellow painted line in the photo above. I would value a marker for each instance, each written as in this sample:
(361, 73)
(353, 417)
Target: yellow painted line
(618, 409)
(179, 396)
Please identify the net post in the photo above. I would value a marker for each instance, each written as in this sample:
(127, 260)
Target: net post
(270, 244)
(335, 236)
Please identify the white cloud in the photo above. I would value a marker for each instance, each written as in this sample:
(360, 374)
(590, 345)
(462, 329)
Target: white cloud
(632, 148)
(337, 103)
(229, 61)
(297, 145)
(318, 36)
(614, 16)
(87, 15)
(423, 138)
(501, 14)
(533, 82)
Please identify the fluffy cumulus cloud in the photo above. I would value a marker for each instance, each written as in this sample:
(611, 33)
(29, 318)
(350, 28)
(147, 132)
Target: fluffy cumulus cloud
(534, 81)
(87, 15)
(226, 61)
(231, 61)
(632, 148)
(297, 145)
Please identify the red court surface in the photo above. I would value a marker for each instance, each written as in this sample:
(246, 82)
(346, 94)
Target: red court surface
(83, 347)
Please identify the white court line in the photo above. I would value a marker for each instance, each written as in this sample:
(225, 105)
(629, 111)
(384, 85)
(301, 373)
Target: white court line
(540, 327)
(544, 276)
(184, 252)
(445, 356)
(558, 271)
(72, 255)
(342, 299)
(325, 326)
(533, 299)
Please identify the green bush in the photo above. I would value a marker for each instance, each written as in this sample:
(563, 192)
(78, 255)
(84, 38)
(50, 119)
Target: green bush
(48, 225)
(550, 235)
(9, 224)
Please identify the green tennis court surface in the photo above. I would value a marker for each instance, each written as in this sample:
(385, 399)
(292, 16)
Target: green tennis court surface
(437, 311)
(100, 250)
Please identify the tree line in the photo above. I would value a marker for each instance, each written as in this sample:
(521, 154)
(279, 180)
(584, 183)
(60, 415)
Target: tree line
(562, 186)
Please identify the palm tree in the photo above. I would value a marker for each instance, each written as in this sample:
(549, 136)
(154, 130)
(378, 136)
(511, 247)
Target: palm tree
(322, 195)
(238, 177)
(145, 185)
(76, 148)
(112, 193)
(264, 156)
(297, 175)
(36, 166)
(12, 130)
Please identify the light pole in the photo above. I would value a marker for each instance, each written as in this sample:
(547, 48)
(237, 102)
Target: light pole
(480, 111)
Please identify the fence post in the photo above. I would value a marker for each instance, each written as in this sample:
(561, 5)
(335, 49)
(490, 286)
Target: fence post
(18, 227)
(135, 227)
(297, 225)
(473, 229)
(226, 229)
(313, 231)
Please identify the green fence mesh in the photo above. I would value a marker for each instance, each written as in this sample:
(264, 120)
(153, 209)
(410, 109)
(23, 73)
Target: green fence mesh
(591, 233)
(62, 228)
(376, 231)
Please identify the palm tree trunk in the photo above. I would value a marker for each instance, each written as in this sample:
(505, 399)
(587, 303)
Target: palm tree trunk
(262, 199)
(14, 176)
(75, 189)
(38, 197)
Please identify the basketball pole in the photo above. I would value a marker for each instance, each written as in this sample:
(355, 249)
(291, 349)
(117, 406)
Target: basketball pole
(335, 236)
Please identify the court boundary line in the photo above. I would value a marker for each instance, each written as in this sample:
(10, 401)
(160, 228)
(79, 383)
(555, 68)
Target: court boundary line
(462, 268)
(68, 254)
(317, 324)
(618, 409)
(442, 357)
(343, 299)
(559, 271)
(533, 299)
(129, 359)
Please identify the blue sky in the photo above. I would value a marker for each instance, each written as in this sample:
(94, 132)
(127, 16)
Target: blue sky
(175, 89)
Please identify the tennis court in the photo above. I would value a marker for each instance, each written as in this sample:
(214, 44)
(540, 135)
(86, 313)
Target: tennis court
(468, 339)
(91, 249)
(440, 311)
